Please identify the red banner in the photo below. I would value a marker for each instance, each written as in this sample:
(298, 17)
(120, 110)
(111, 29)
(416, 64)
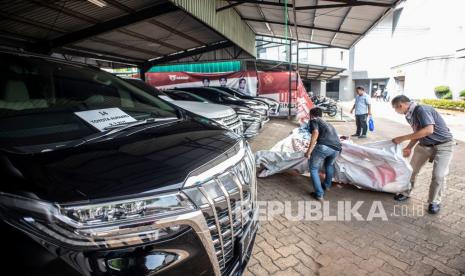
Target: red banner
(274, 85)
(245, 81)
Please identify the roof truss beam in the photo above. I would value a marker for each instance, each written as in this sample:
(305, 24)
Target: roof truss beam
(302, 26)
(188, 53)
(80, 52)
(107, 26)
(344, 3)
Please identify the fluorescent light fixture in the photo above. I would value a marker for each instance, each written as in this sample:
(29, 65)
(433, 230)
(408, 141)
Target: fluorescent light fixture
(99, 3)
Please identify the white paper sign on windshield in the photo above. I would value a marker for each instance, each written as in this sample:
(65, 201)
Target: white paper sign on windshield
(104, 118)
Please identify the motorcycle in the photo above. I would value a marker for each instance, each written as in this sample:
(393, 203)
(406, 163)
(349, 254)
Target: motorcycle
(327, 105)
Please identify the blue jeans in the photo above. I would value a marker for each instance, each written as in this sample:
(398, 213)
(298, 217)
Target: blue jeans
(322, 154)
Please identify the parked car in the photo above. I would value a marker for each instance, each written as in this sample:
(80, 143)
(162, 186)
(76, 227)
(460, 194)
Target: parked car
(221, 114)
(251, 120)
(100, 177)
(273, 104)
(220, 97)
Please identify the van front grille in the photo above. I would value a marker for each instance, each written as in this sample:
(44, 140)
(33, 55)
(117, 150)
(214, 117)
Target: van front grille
(226, 202)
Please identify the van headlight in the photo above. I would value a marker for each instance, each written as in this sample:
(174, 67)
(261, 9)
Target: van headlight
(101, 225)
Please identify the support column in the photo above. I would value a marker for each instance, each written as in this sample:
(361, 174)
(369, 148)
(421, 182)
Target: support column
(346, 83)
(142, 71)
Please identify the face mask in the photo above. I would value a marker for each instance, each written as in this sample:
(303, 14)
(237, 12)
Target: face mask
(409, 113)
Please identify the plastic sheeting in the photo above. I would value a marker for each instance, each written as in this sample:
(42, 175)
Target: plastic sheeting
(376, 166)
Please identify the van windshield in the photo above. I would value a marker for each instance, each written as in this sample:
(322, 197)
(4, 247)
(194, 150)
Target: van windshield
(39, 99)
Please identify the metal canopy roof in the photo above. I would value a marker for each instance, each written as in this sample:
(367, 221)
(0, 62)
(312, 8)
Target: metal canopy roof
(123, 31)
(338, 23)
(306, 71)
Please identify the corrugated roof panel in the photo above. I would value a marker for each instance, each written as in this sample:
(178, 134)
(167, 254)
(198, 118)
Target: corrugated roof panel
(261, 28)
(97, 46)
(100, 14)
(25, 29)
(304, 18)
(15, 6)
(137, 4)
(359, 19)
(160, 34)
(226, 22)
(248, 11)
(135, 42)
(366, 12)
(330, 21)
(54, 18)
(150, 30)
(273, 13)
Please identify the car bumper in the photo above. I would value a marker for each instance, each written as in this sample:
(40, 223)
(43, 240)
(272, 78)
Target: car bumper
(252, 129)
(189, 253)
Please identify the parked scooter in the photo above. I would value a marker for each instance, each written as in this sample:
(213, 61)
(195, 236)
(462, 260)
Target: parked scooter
(327, 105)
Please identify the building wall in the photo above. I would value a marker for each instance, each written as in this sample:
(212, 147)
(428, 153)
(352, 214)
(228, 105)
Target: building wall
(421, 77)
(318, 87)
(416, 30)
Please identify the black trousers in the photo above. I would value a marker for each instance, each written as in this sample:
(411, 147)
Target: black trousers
(361, 122)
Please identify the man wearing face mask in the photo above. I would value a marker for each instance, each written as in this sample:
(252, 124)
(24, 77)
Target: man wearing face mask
(435, 144)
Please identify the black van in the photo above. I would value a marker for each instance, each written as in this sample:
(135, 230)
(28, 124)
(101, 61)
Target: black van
(101, 178)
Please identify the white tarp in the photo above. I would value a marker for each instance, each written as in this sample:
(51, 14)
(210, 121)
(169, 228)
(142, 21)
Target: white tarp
(376, 166)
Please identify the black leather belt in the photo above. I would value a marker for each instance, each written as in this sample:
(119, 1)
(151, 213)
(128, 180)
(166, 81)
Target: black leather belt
(434, 145)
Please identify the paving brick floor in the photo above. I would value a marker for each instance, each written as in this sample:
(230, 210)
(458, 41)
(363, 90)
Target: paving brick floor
(414, 244)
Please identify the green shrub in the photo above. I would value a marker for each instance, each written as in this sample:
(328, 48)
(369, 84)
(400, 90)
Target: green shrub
(441, 91)
(447, 96)
(462, 93)
(445, 104)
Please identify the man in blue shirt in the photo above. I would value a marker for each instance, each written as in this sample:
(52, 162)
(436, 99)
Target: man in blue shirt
(432, 141)
(362, 109)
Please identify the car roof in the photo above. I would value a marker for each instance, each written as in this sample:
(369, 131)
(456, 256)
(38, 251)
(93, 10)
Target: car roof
(218, 91)
(19, 53)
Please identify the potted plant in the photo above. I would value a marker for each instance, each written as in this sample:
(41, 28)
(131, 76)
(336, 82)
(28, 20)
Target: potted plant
(443, 92)
(462, 95)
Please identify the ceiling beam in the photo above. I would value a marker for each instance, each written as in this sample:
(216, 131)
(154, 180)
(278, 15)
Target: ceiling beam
(149, 39)
(345, 4)
(372, 26)
(362, 3)
(303, 40)
(83, 52)
(120, 6)
(174, 31)
(188, 53)
(126, 47)
(228, 6)
(340, 24)
(268, 3)
(64, 10)
(129, 10)
(103, 27)
(302, 26)
(31, 22)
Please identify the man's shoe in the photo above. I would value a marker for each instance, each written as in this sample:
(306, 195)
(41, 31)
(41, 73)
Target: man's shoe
(401, 197)
(319, 198)
(354, 135)
(362, 136)
(434, 208)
